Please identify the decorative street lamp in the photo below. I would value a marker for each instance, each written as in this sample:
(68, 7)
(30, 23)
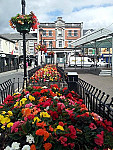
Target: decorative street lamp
(24, 46)
(41, 33)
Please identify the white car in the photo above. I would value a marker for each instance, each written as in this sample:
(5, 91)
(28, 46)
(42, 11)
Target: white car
(102, 64)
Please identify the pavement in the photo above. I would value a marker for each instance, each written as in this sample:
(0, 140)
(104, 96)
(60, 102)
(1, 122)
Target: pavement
(103, 83)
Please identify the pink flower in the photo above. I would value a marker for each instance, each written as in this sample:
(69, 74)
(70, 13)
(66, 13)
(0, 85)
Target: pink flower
(14, 128)
(28, 105)
(69, 111)
(61, 105)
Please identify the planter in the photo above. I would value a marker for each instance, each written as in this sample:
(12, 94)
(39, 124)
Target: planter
(23, 28)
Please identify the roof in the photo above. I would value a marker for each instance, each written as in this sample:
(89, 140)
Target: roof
(6, 38)
(17, 36)
(100, 35)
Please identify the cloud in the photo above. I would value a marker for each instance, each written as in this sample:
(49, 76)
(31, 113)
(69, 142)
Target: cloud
(94, 14)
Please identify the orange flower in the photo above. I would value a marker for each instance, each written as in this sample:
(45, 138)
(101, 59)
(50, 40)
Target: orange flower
(40, 132)
(47, 146)
(82, 109)
(42, 124)
(52, 93)
(43, 98)
(78, 130)
(26, 112)
(46, 135)
(32, 147)
(50, 128)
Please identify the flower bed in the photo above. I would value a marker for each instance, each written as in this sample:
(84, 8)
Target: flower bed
(42, 118)
(48, 73)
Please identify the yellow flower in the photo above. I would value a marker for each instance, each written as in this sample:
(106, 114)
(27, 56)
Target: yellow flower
(15, 93)
(22, 101)
(3, 112)
(3, 127)
(60, 128)
(10, 124)
(10, 113)
(31, 98)
(44, 114)
(17, 103)
(5, 120)
(1, 117)
(36, 119)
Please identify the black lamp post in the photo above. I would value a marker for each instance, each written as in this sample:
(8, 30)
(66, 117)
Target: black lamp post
(51, 51)
(41, 33)
(24, 47)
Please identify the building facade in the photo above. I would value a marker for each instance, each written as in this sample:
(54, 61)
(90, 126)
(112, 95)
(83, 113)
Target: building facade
(8, 53)
(56, 36)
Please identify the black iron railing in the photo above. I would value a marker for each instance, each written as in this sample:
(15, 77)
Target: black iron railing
(95, 100)
(9, 87)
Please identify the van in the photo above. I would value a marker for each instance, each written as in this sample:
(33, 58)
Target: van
(80, 61)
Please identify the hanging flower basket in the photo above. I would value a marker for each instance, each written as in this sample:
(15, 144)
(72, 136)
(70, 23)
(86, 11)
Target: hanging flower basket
(23, 23)
(40, 47)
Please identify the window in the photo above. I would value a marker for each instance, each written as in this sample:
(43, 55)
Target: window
(31, 51)
(44, 42)
(31, 43)
(44, 33)
(75, 33)
(59, 32)
(50, 32)
(60, 43)
(69, 32)
(50, 43)
(69, 44)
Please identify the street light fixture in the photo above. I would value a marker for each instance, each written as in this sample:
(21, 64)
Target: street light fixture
(41, 33)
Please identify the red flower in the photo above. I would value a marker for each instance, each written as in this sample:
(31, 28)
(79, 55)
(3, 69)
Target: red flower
(53, 114)
(61, 124)
(37, 94)
(108, 123)
(8, 99)
(72, 132)
(92, 126)
(72, 145)
(63, 140)
(100, 139)
(69, 95)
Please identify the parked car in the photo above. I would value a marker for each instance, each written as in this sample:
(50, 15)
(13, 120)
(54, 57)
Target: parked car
(102, 64)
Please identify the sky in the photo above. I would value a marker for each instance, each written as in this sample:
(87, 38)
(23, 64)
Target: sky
(94, 14)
